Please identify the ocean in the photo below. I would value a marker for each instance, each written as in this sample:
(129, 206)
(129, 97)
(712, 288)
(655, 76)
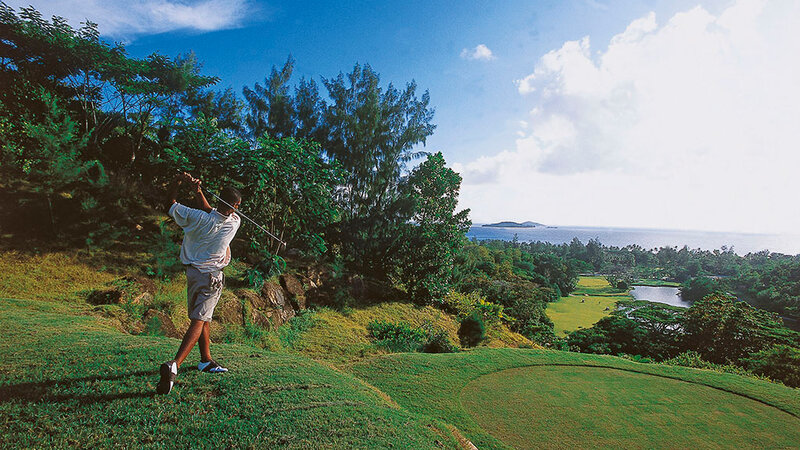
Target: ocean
(741, 243)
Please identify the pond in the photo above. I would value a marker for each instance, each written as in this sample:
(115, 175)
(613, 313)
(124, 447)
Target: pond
(661, 294)
(672, 296)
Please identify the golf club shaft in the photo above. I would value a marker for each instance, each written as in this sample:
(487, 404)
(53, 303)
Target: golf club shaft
(251, 220)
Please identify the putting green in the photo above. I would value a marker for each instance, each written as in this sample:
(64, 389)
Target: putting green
(578, 407)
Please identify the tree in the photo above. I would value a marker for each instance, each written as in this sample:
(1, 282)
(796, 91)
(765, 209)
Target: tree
(698, 288)
(270, 110)
(611, 335)
(725, 330)
(371, 133)
(436, 231)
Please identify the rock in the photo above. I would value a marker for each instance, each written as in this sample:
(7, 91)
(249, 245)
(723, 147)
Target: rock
(250, 297)
(261, 319)
(276, 300)
(164, 323)
(229, 310)
(317, 275)
(144, 298)
(294, 288)
(270, 309)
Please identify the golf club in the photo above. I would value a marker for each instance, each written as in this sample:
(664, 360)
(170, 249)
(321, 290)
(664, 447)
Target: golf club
(243, 215)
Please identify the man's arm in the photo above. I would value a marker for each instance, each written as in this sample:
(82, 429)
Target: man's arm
(172, 193)
(202, 203)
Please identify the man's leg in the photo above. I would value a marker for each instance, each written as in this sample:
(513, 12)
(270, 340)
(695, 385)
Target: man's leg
(191, 337)
(205, 343)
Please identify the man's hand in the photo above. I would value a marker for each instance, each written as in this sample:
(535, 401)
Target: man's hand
(195, 182)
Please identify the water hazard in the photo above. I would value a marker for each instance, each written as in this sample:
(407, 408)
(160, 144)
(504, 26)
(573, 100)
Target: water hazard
(672, 296)
(668, 295)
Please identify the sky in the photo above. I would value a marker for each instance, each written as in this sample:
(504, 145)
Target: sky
(653, 114)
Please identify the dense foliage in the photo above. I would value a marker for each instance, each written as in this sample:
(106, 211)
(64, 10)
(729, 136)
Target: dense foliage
(403, 337)
(519, 278)
(718, 329)
(90, 135)
(472, 330)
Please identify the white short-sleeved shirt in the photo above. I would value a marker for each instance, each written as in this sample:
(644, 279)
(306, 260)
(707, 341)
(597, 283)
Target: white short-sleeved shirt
(206, 236)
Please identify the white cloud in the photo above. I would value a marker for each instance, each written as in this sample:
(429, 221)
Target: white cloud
(479, 53)
(692, 123)
(129, 18)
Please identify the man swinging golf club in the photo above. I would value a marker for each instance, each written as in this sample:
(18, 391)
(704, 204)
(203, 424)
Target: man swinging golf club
(205, 251)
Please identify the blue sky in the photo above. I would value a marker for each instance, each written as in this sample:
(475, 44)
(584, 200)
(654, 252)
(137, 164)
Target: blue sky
(569, 113)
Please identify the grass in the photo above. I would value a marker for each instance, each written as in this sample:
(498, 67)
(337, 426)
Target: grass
(547, 396)
(578, 407)
(49, 276)
(341, 337)
(592, 300)
(71, 380)
(657, 283)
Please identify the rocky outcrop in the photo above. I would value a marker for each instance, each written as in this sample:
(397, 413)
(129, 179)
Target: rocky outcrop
(270, 307)
(277, 301)
(297, 295)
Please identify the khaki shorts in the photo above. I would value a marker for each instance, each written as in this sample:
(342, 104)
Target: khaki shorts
(202, 292)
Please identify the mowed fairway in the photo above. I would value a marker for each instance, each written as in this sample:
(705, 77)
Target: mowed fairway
(592, 300)
(578, 407)
(507, 398)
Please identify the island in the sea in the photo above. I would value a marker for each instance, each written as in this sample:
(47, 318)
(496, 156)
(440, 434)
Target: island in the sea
(527, 224)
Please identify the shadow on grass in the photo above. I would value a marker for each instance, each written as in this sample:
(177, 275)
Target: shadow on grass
(43, 390)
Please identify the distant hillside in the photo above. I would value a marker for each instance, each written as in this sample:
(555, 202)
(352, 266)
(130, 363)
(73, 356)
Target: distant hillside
(527, 224)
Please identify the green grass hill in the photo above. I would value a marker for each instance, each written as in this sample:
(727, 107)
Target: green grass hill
(73, 375)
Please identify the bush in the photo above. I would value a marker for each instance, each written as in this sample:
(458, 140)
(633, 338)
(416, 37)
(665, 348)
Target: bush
(397, 337)
(462, 305)
(402, 337)
(291, 333)
(163, 247)
(695, 360)
(780, 362)
(439, 342)
(472, 330)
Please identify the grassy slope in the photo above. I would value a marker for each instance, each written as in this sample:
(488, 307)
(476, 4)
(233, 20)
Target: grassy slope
(342, 337)
(432, 384)
(74, 380)
(69, 379)
(330, 335)
(48, 276)
(592, 300)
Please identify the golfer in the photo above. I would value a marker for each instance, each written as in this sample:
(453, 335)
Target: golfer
(205, 251)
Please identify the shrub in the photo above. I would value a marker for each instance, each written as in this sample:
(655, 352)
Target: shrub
(462, 305)
(402, 337)
(695, 360)
(780, 362)
(397, 337)
(290, 333)
(472, 330)
(439, 342)
(163, 247)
